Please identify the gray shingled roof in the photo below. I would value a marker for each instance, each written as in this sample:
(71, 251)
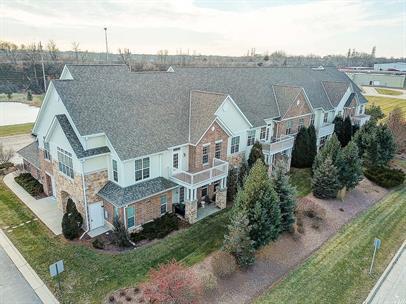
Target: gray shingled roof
(144, 113)
(285, 95)
(335, 90)
(203, 105)
(30, 153)
(75, 142)
(121, 197)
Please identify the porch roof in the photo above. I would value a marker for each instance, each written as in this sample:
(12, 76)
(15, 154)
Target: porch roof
(121, 197)
(30, 154)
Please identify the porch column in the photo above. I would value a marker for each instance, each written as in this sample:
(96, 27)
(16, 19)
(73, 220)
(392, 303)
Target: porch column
(221, 196)
(191, 206)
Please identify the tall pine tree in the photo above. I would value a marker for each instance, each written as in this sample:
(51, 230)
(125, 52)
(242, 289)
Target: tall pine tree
(255, 154)
(347, 131)
(312, 145)
(300, 157)
(243, 171)
(338, 128)
(325, 182)
(331, 149)
(287, 197)
(350, 170)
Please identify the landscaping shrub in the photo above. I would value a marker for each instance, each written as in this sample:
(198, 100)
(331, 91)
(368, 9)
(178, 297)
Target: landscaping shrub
(312, 209)
(71, 221)
(157, 229)
(121, 234)
(98, 244)
(172, 283)
(209, 281)
(223, 264)
(29, 183)
(6, 165)
(385, 177)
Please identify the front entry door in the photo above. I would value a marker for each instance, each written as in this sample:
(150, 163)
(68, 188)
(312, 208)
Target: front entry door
(96, 215)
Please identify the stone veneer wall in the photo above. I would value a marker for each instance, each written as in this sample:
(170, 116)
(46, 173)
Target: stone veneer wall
(210, 137)
(94, 182)
(45, 167)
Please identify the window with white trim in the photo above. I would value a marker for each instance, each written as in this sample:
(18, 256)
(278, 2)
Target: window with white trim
(288, 127)
(47, 153)
(181, 194)
(205, 154)
(141, 169)
(301, 124)
(65, 163)
(175, 160)
(217, 151)
(312, 120)
(251, 137)
(116, 214)
(262, 134)
(235, 144)
(115, 170)
(164, 204)
(205, 191)
(325, 118)
(130, 212)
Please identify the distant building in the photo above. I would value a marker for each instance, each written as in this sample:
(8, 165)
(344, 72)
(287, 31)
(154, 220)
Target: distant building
(393, 66)
(390, 79)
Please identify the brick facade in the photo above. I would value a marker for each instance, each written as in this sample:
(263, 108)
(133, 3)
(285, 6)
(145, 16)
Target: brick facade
(46, 168)
(213, 134)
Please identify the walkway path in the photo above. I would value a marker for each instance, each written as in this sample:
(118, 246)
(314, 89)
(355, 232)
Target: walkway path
(19, 283)
(370, 91)
(45, 209)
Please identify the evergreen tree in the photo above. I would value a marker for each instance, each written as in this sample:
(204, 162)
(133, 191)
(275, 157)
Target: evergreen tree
(375, 112)
(312, 145)
(362, 137)
(261, 203)
(232, 184)
(242, 172)
(347, 131)
(300, 157)
(350, 171)
(331, 149)
(255, 154)
(380, 147)
(71, 221)
(71, 209)
(287, 197)
(338, 128)
(325, 182)
(238, 242)
(29, 95)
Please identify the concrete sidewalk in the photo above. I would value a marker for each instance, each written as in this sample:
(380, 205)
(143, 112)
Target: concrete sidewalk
(370, 91)
(45, 209)
(16, 289)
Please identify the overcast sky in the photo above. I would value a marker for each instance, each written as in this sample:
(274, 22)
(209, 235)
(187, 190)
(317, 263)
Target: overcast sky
(211, 27)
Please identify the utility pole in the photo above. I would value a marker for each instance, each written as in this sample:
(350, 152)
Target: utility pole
(107, 48)
(43, 68)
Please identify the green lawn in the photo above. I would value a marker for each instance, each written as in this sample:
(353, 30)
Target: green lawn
(388, 92)
(301, 179)
(338, 272)
(90, 276)
(20, 97)
(16, 129)
(387, 104)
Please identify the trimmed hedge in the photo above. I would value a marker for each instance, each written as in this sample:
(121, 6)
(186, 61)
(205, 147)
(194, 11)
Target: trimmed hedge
(385, 177)
(29, 183)
(157, 229)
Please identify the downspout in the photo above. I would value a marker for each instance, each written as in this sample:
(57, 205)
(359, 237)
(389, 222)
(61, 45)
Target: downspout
(85, 200)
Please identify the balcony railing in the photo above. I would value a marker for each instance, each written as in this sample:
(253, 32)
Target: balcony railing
(218, 170)
(279, 145)
(360, 119)
(325, 129)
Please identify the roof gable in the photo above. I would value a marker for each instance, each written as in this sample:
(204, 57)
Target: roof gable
(335, 91)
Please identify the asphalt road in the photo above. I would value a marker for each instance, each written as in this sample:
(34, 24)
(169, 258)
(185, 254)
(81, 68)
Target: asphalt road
(16, 142)
(14, 289)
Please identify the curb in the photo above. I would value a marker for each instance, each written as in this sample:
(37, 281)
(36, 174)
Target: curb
(26, 270)
(385, 274)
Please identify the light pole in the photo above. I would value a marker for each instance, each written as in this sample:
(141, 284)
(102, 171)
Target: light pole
(107, 48)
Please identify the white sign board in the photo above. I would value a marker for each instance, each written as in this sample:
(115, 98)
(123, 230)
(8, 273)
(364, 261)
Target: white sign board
(56, 268)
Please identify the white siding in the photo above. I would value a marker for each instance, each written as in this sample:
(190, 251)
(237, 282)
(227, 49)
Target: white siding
(96, 164)
(95, 141)
(232, 118)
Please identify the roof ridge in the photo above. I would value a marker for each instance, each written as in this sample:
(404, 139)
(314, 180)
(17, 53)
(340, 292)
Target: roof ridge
(208, 92)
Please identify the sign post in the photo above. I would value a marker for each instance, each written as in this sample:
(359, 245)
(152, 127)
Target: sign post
(377, 245)
(55, 269)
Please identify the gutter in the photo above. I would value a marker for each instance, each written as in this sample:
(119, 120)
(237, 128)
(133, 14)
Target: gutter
(85, 200)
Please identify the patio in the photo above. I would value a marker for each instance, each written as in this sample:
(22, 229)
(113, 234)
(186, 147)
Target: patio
(207, 210)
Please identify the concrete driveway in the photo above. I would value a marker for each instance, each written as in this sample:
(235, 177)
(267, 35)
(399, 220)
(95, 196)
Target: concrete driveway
(16, 142)
(13, 286)
(45, 209)
(370, 91)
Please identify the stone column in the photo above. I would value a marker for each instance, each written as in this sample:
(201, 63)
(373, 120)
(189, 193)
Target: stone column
(221, 198)
(191, 211)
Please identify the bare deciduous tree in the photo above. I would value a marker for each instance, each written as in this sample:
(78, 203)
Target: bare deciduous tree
(125, 56)
(76, 49)
(397, 124)
(5, 154)
(52, 50)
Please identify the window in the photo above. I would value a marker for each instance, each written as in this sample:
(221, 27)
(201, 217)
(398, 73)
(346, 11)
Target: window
(47, 154)
(288, 127)
(65, 162)
(130, 211)
(262, 134)
(216, 185)
(116, 215)
(325, 118)
(182, 194)
(323, 140)
(115, 171)
(251, 137)
(141, 169)
(164, 202)
(204, 191)
(235, 144)
(312, 120)
(217, 153)
(301, 124)
(205, 154)
(175, 160)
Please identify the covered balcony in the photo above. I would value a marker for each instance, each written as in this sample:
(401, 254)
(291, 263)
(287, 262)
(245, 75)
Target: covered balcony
(278, 145)
(325, 130)
(361, 119)
(218, 170)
